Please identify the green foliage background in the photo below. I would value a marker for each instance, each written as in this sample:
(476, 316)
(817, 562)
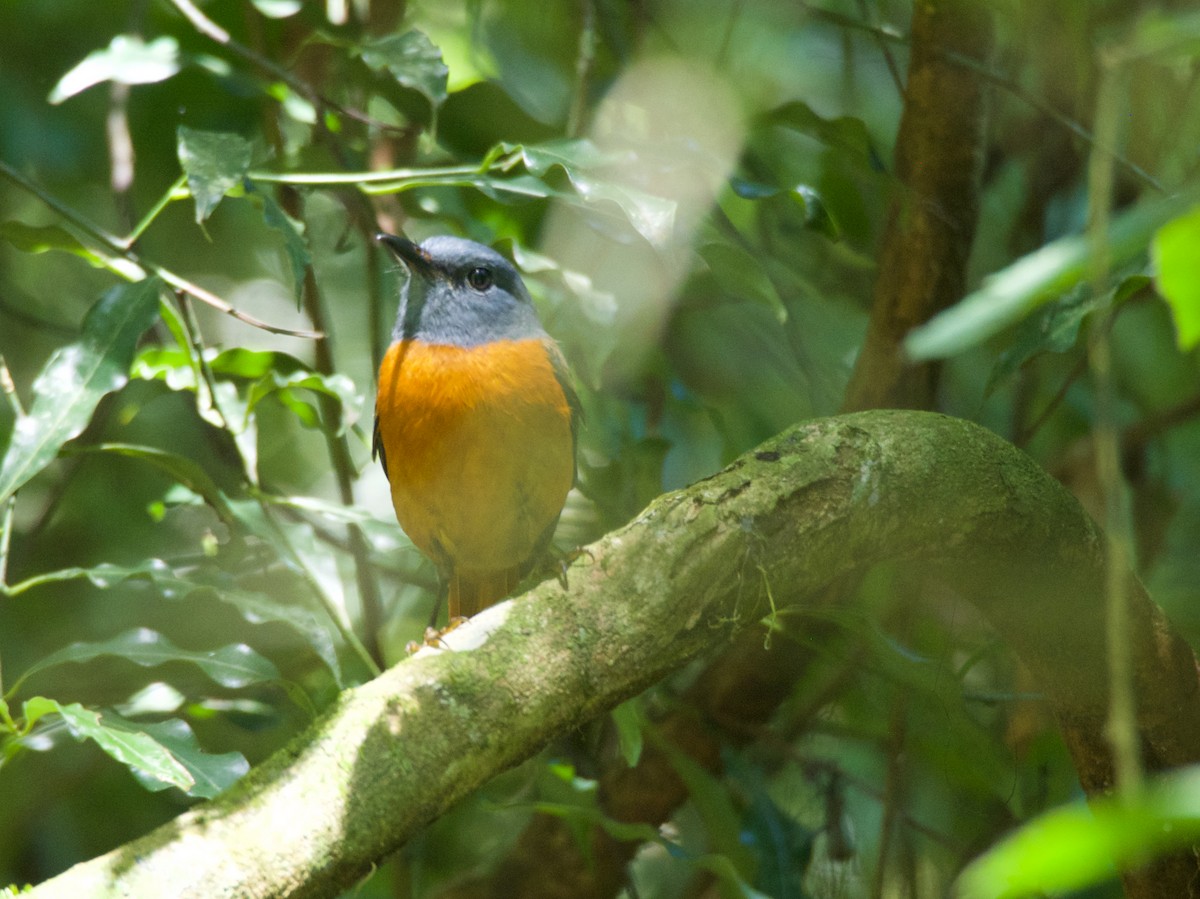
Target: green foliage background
(695, 192)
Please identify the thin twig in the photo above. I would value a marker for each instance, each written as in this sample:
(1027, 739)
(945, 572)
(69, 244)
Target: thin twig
(890, 35)
(1121, 728)
(219, 35)
(141, 266)
(885, 50)
(584, 60)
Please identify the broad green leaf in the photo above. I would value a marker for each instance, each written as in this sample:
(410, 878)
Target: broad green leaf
(103, 576)
(127, 60)
(585, 166)
(628, 719)
(215, 162)
(186, 471)
(1079, 845)
(138, 751)
(170, 365)
(413, 60)
(211, 773)
(1034, 280)
(741, 275)
(232, 666)
(76, 378)
(293, 237)
(45, 238)
(256, 608)
(286, 387)
(1176, 252)
(847, 135)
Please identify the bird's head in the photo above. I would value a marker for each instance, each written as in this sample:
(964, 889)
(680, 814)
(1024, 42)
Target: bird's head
(460, 293)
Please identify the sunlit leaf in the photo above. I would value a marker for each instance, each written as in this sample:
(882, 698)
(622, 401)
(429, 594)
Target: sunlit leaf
(215, 162)
(1176, 253)
(1035, 279)
(138, 751)
(76, 378)
(590, 172)
(211, 773)
(43, 238)
(413, 60)
(232, 666)
(1078, 845)
(277, 9)
(127, 60)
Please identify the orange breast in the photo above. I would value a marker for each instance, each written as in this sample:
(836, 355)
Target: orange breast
(479, 449)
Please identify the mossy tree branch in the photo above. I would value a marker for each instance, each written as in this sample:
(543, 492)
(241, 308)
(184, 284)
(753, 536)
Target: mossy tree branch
(822, 499)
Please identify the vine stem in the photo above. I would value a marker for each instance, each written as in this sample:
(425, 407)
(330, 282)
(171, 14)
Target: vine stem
(1121, 726)
(138, 267)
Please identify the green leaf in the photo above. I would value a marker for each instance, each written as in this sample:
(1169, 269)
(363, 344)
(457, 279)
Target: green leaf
(254, 607)
(293, 237)
(215, 162)
(1078, 845)
(232, 666)
(413, 60)
(277, 9)
(211, 773)
(43, 239)
(846, 134)
(741, 275)
(76, 378)
(628, 719)
(1035, 279)
(138, 751)
(1055, 327)
(584, 165)
(126, 60)
(1176, 253)
(186, 471)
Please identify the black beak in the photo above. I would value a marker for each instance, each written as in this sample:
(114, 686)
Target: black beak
(409, 253)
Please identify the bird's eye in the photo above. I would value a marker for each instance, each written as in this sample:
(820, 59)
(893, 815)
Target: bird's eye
(480, 278)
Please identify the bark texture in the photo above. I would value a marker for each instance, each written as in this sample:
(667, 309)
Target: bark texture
(820, 500)
(933, 214)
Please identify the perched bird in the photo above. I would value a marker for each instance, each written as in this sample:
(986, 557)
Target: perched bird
(475, 419)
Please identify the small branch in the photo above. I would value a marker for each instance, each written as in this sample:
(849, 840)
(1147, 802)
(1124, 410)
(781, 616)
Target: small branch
(219, 35)
(119, 247)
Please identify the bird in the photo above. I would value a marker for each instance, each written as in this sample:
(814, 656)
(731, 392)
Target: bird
(476, 420)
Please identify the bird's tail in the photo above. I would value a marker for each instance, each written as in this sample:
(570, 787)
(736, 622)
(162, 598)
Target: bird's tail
(473, 591)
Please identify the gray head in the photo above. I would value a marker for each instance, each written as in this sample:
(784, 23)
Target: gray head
(460, 293)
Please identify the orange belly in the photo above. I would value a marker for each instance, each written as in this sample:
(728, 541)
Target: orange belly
(480, 454)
